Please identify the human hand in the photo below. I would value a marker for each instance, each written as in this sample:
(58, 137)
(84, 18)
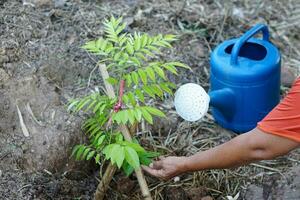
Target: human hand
(166, 168)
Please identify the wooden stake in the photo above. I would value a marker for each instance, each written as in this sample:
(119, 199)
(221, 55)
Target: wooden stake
(110, 170)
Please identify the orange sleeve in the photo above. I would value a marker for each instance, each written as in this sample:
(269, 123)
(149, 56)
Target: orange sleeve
(284, 119)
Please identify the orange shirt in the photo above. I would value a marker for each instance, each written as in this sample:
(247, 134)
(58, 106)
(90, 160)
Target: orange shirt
(284, 119)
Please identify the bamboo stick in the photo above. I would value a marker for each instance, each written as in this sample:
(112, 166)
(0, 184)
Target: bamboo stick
(110, 170)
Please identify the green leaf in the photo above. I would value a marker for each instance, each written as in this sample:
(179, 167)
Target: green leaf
(164, 44)
(135, 61)
(128, 80)
(179, 64)
(154, 49)
(92, 127)
(147, 116)
(90, 155)
(124, 117)
(96, 108)
(156, 89)
(109, 49)
(145, 157)
(170, 37)
(117, 56)
(97, 136)
(103, 45)
(140, 95)
(166, 88)
(88, 123)
(135, 146)
(100, 140)
(117, 155)
(150, 73)
(120, 28)
(132, 157)
(138, 114)
(147, 52)
(160, 72)
(172, 85)
(141, 56)
(171, 68)
(94, 131)
(149, 91)
(131, 98)
(83, 103)
(127, 168)
(145, 160)
(75, 149)
(135, 77)
(80, 152)
(101, 109)
(144, 40)
(112, 81)
(155, 111)
(130, 114)
(86, 151)
(107, 151)
(91, 105)
(143, 76)
(119, 138)
(125, 99)
(125, 58)
(91, 47)
(97, 159)
(129, 48)
(72, 104)
(116, 117)
(151, 154)
(137, 43)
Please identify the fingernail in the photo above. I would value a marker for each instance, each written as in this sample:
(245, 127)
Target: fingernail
(151, 165)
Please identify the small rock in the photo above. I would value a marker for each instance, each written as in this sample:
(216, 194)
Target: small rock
(254, 192)
(198, 49)
(207, 198)
(3, 76)
(176, 179)
(196, 193)
(4, 59)
(288, 76)
(0, 173)
(38, 3)
(125, 185)
(175, 193)
(238, 12)
(59, 3)
(166, 125)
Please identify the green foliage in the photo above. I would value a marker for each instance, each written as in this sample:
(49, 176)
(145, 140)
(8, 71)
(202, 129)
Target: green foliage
(135, 59)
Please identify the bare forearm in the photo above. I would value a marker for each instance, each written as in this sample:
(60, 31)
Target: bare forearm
(241, 150)
(230, 154)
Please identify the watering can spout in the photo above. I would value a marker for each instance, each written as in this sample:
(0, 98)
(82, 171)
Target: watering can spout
(223, 100)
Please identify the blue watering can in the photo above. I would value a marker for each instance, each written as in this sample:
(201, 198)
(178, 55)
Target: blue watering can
(245, 83)
(245, 80)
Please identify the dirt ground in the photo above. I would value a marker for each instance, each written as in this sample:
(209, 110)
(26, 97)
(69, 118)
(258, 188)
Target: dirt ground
(42, 67)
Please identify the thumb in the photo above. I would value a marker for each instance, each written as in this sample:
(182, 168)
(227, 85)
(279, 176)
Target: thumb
(150, 171)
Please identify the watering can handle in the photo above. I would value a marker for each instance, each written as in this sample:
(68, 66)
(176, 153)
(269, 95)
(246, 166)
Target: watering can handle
(240, 42)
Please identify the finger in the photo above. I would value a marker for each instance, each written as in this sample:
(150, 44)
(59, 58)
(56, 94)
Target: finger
(150, 171)
(157, 165)
(161, 157)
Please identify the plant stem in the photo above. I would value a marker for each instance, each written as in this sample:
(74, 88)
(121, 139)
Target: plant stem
(104, 183)
(110, 170)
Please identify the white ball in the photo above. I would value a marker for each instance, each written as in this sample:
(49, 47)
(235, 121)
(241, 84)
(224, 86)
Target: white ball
(191, 102)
